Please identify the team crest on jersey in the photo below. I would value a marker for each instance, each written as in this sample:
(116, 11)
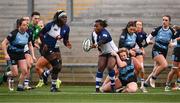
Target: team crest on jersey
(105, 35)
(10, 35)
(154, 30)
(122, 36)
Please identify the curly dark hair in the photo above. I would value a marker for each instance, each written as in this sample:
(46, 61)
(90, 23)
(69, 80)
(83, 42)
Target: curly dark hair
(56, 18)
(103, 23)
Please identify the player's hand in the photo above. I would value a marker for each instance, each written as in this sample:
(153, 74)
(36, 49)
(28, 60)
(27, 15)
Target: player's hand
(58, 37)
(132, 52)
(143, 52)
(34, 59)
(7, 57)
(151, 42)
(68, 45)
(171, 45)
(45, 48)
(93, 46)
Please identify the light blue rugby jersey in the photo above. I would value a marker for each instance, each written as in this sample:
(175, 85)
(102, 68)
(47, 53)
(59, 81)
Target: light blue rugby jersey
(130, 41)
(18, 41)
(128, 71)
(163, 37)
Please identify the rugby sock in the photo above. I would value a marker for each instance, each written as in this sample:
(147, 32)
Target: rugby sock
(142, 82)
(168, 84)
(53, 83)
(153, 77)
(112, 78)
(46, 73)
(99, 76)
(8, 73)
(20, 86)
(178, 81)
(11, 82)
(26, 82)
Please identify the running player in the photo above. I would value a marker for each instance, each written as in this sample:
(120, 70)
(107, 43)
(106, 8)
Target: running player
(140, 52)
(53, 31)
(162, 34)
(43, 67)
(176, 61)
(29, 59)
(35, 17)
(13, 47)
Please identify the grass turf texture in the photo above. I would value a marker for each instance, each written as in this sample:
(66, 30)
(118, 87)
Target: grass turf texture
(86, 94)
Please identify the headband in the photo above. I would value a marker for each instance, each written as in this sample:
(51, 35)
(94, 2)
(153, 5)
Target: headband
(62, 14)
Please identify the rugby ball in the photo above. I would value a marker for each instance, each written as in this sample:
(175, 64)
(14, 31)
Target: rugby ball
(86, 46)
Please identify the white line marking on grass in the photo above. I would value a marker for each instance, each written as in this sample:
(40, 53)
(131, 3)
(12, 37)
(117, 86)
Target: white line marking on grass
(140, 93)
(90, 102)
(61, 93)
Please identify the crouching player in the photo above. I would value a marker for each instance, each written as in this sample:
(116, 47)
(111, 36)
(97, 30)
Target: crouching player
(126, 80)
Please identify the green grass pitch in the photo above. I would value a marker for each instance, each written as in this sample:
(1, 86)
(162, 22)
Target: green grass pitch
(86, 94)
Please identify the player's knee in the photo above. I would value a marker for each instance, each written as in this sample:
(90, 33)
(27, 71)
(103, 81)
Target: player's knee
(57, 65)
(164, 65)
(132, 90)
(15, 74)
(56, 70)
(24, 72)
(132, 87)
(54, 76)
(111, 66)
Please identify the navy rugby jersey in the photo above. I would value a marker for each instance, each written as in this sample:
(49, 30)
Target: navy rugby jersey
(53, 28)
(177, 35)
(141, 39)
(104, 41)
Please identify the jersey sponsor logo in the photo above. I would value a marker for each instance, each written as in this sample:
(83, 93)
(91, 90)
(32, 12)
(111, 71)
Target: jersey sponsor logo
(55, 29)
